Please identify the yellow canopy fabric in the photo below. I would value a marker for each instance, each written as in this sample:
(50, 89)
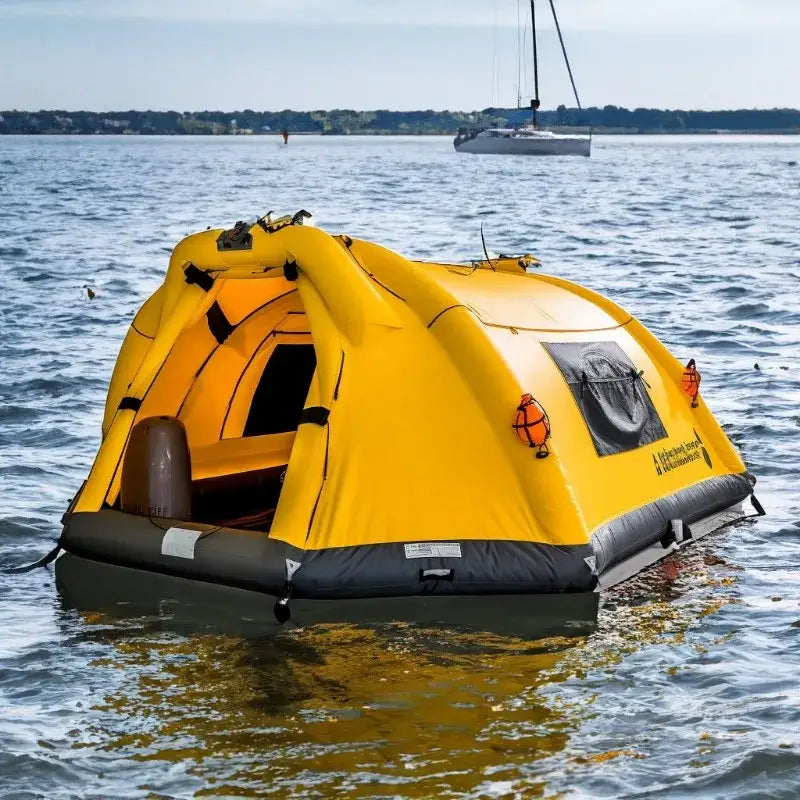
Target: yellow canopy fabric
(421, 367)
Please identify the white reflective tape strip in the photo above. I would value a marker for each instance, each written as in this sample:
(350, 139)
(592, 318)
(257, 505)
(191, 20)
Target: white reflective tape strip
(591, 562)
(436, 573)
(433, 550)
(180, 542)
(291, 568)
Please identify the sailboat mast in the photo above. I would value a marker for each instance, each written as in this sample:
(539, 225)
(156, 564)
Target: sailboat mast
(564, 51)
(519, 57)
(535, 102)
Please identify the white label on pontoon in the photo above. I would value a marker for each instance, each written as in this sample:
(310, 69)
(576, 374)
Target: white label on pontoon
(433, 550)
(291, 568)
(179, 542)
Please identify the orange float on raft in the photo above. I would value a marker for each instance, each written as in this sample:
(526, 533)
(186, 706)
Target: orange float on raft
(532, 425)
(690, 383)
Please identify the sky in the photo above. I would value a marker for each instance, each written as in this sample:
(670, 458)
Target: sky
(399, 54)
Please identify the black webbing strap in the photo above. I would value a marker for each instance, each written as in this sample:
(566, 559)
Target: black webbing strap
(757, 506)
(315, 415)
(197, 276)
(218, 323)
(129, 404)
(290, 270)
(42, 562)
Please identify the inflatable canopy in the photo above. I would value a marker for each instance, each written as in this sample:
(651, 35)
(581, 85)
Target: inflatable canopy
(317, 416)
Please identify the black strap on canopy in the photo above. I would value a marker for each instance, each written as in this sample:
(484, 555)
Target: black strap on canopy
(129, 404)
(315, 415)
(290, 270)
(197, 276)
(218, 323)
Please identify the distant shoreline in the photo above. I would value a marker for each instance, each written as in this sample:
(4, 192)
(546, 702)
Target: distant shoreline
(608, 120)
(397, 134)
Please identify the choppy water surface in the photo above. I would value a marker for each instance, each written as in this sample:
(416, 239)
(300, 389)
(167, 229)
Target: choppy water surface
(691, 685)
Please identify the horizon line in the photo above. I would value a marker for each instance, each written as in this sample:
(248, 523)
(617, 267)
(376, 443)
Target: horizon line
(485, 110)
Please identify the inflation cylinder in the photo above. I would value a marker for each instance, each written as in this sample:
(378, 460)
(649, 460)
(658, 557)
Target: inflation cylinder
(157, 471)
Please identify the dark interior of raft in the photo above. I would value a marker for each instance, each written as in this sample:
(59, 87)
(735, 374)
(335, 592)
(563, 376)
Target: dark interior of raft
(153, 485)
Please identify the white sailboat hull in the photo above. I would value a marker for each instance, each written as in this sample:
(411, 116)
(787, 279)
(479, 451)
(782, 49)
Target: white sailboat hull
(526, 145)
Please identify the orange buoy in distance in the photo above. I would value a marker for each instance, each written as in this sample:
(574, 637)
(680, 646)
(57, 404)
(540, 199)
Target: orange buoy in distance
(690, 382)
(532, 425)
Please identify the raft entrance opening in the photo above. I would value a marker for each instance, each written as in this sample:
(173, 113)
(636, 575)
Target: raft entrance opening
(248, 498)
(282, 390)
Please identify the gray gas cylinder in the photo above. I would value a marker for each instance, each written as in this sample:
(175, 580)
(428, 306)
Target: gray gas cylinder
(157, 471)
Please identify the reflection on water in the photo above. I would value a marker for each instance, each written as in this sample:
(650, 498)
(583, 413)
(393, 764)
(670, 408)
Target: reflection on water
(348, 705)
(366, 711)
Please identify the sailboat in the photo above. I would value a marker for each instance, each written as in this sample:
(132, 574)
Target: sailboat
(528, 139)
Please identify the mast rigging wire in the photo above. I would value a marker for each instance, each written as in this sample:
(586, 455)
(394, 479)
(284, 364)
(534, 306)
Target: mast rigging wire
(535, 102)
(564, 51)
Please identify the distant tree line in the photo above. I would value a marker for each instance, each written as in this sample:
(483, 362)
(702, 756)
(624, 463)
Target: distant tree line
(613, 119)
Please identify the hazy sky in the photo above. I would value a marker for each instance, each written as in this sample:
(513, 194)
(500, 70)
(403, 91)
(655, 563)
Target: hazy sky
(401, 54)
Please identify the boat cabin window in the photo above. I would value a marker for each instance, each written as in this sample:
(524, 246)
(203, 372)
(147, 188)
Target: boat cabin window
(281, 393)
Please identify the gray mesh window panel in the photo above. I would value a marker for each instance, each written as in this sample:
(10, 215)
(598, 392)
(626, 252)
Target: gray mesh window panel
(611, 395)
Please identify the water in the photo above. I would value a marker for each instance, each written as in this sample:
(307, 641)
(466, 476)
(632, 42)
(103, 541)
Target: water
(691, 685)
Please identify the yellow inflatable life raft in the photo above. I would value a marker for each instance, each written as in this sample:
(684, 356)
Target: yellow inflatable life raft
(315, 416)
